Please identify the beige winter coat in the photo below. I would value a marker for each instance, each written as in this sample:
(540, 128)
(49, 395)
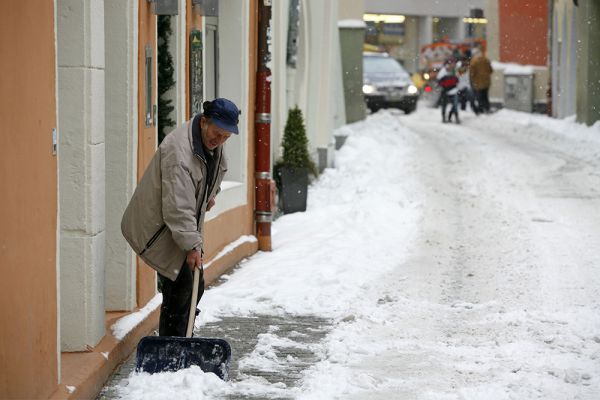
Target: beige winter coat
(481, 72)
(164, 218)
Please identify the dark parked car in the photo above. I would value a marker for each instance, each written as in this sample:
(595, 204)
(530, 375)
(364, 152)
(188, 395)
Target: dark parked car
(386, 84)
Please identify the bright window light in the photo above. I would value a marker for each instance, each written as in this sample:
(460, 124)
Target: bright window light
(475, 20)
(386, 18)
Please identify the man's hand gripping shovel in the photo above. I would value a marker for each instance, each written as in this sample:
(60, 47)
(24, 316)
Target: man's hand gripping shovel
(172, 353)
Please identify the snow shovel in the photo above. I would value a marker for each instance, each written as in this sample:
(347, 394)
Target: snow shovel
(172, 353)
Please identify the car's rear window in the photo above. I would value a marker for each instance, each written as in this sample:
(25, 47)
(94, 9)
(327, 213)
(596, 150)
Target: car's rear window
(382, 65)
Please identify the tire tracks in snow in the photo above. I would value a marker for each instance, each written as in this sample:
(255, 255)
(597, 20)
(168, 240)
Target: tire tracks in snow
(485, 309)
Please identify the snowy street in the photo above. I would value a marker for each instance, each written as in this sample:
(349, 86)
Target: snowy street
(439, 261)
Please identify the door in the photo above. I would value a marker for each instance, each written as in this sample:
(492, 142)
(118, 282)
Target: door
(147, 139)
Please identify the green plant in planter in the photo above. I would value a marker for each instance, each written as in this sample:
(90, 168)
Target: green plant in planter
(291, 171)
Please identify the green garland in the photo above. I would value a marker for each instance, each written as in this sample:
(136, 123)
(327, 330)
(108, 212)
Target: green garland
(165, 77)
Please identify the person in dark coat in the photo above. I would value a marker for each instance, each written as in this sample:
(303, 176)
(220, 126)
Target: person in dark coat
(465, 92)
(448, 81)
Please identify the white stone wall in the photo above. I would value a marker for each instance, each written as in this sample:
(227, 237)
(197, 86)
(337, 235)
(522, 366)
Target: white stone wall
(316, 81)
(281, 83)
(121, 88)
(316, 84)
(233, 84)
(81, 75)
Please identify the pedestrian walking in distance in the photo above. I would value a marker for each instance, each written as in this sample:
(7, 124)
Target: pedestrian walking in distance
(448, 81)
(163, 222)
(465, 93)
(481, 78)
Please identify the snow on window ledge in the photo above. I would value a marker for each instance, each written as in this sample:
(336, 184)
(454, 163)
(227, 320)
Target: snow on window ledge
(231, 247)
(352, 23)
(124, 325)
(232, 195)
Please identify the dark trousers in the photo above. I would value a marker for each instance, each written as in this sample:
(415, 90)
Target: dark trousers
(452, 99)
(467, 95)
(483, 100)
(177, 295)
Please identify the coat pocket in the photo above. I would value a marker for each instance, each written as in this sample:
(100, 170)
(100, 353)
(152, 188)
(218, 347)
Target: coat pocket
(164, 255)
(154, 238)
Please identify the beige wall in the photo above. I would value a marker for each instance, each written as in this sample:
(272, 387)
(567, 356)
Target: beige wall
(492, 29)
(28, 288)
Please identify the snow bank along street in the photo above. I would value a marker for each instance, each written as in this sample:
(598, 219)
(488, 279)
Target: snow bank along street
(436, 261)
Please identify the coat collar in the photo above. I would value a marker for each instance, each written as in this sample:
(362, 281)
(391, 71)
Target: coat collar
(197, 147)
(196, 138)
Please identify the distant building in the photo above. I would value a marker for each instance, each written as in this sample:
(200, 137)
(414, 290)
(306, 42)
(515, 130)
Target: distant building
(518, 43)
(413, 24)
(307, 71)
(575, 59)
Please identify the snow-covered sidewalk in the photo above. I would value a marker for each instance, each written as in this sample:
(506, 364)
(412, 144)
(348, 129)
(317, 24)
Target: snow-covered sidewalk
(445, 262)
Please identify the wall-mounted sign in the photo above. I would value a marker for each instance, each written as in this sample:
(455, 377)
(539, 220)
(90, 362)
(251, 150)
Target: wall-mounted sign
(208, 8)
(166, 7)
(395, 29)
(195, 72)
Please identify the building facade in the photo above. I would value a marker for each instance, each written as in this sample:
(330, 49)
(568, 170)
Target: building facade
(575, 64)
(80, 105)
(79, 92)
(306, 69)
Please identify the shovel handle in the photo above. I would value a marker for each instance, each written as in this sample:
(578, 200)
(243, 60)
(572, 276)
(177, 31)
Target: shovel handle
(192, 316)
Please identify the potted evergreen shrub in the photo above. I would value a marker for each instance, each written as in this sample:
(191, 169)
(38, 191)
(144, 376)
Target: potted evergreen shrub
(292, 170)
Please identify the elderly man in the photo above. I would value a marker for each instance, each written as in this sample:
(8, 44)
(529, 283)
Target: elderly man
(163, 221)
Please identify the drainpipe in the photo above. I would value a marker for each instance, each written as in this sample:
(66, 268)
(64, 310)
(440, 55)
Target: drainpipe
(262, 156)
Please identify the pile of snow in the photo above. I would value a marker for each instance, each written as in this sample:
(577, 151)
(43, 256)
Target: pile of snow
(324, 261)
(124, 325)
(349, 259)
(311, 270)
(564, 135)
(514, 69)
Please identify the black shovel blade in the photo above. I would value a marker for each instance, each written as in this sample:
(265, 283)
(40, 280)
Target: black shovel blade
(172, 353)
